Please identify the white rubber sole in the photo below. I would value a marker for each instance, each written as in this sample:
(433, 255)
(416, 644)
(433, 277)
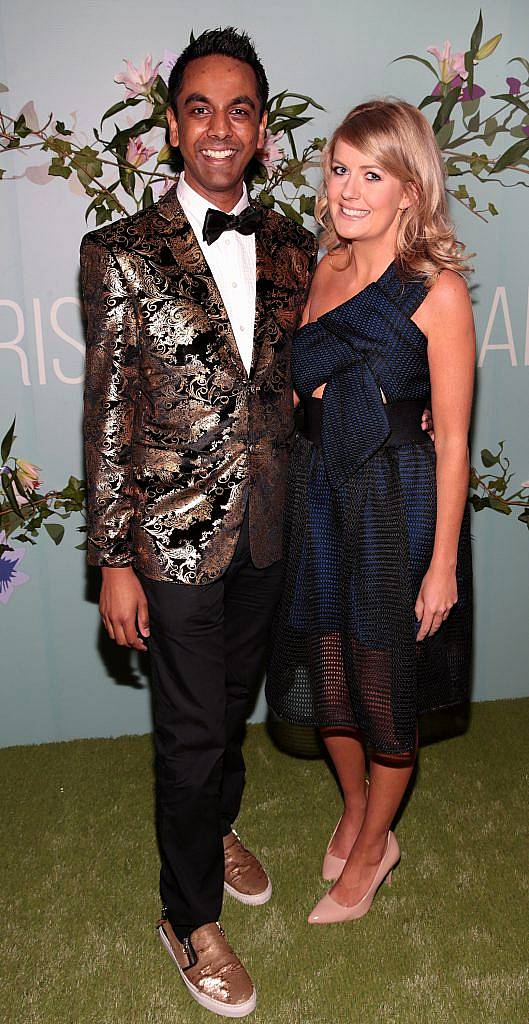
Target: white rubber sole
(250, 901)
(242, 1010)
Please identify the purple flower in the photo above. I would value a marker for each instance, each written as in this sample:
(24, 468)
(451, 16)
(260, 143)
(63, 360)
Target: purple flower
(10, 575)
(525, 128)
(477, 91)
(515, 86)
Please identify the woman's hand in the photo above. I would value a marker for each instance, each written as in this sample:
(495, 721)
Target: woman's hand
(438, 594)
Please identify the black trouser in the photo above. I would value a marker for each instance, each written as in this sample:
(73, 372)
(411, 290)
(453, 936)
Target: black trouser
(208, 648)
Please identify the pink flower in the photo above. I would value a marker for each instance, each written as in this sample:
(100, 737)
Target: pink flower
(138, 81)
(451, 64)
(452, 72)
(10, 575)
(28, 474)
(271, 153)
(515, 86)
(169, 60)
(138, 154)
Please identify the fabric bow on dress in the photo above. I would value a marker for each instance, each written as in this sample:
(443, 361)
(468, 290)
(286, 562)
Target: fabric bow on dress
(357, 349)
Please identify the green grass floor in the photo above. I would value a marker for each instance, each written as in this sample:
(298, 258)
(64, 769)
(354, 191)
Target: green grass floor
(446, 943)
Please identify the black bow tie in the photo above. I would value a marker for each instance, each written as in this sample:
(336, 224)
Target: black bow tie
(246, 223)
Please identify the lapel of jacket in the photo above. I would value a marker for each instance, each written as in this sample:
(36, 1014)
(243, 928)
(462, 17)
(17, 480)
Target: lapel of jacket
(188, 255)
(269, 290)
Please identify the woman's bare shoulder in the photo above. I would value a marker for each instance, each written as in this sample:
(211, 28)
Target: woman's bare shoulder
(449, 292)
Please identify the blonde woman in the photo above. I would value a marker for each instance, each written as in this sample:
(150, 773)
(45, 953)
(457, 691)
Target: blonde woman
(374, 626)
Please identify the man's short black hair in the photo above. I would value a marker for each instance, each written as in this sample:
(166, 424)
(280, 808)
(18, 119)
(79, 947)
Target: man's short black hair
(221, 42)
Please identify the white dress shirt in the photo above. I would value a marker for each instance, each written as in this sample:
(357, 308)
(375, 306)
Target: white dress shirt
(231, 260)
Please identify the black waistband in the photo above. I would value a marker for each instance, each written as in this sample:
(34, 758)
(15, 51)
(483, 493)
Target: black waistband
(404, 420)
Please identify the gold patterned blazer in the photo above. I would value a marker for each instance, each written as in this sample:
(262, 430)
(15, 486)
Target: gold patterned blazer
(177, 435)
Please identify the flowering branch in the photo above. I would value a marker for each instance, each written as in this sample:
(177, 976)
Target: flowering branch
(23, 510)
(457, 98)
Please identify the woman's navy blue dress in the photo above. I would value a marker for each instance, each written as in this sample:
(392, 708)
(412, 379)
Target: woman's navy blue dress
(359, 530)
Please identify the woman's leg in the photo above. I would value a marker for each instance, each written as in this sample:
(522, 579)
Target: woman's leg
(347, 753)
(389, 778)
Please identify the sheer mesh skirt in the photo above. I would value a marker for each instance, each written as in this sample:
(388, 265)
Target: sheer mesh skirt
(344, 649)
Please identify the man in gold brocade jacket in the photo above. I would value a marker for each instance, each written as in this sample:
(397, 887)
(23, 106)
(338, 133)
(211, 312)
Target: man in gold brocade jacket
(191, 306)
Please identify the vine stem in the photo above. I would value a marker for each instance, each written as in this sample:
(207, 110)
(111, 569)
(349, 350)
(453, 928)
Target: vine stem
(33, 504)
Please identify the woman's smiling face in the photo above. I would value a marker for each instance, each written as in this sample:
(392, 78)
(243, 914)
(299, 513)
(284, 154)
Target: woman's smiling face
(364, 200)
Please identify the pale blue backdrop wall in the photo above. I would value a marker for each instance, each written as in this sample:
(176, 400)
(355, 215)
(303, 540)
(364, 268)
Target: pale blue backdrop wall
(59, 677)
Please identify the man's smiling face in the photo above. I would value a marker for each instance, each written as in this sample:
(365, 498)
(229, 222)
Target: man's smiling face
(219, 126)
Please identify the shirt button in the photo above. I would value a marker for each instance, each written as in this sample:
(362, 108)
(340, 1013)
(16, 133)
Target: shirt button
(234, 284)
(241, 328)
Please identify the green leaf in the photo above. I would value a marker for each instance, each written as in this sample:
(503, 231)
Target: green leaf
(128, 180)
(518, 132)
(8, 442)
(488, 459)
(56, 531)
(420, 60)
(478, 503)
(524, 517)
(290, 212)
(60, 146)
(306, 205)
(266, 199)
(122, 105)
(515, 101)
(10, 495)
(102, 215)
(59, 168)
(20, 127)
(2, 172)
(446, 108)
(3, 88)
(475, 39)
(470, 107)
(473, 124)
(445, 134)
(291, 110)
(499, 505)
(147, 198)
(290, 123)
(60, 127)
(474, 478)
(487, 48)
(469, 67)
(452, 169)
(492, 210)
(511, 156)
(489, 132)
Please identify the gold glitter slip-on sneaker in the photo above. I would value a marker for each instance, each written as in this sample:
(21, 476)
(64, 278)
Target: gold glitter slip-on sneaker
(244, 876)
(210, 970)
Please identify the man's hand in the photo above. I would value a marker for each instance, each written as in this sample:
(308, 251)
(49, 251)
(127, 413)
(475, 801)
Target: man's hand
(427, 423)
(122, 605)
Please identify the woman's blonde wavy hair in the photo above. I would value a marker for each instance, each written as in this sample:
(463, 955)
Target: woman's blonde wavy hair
(399, 139)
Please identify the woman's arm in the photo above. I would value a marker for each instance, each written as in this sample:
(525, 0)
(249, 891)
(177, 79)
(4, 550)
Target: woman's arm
(451, 357)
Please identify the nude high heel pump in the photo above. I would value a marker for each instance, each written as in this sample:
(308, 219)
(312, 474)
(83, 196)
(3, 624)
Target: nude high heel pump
(329, 911)
(333, 866)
